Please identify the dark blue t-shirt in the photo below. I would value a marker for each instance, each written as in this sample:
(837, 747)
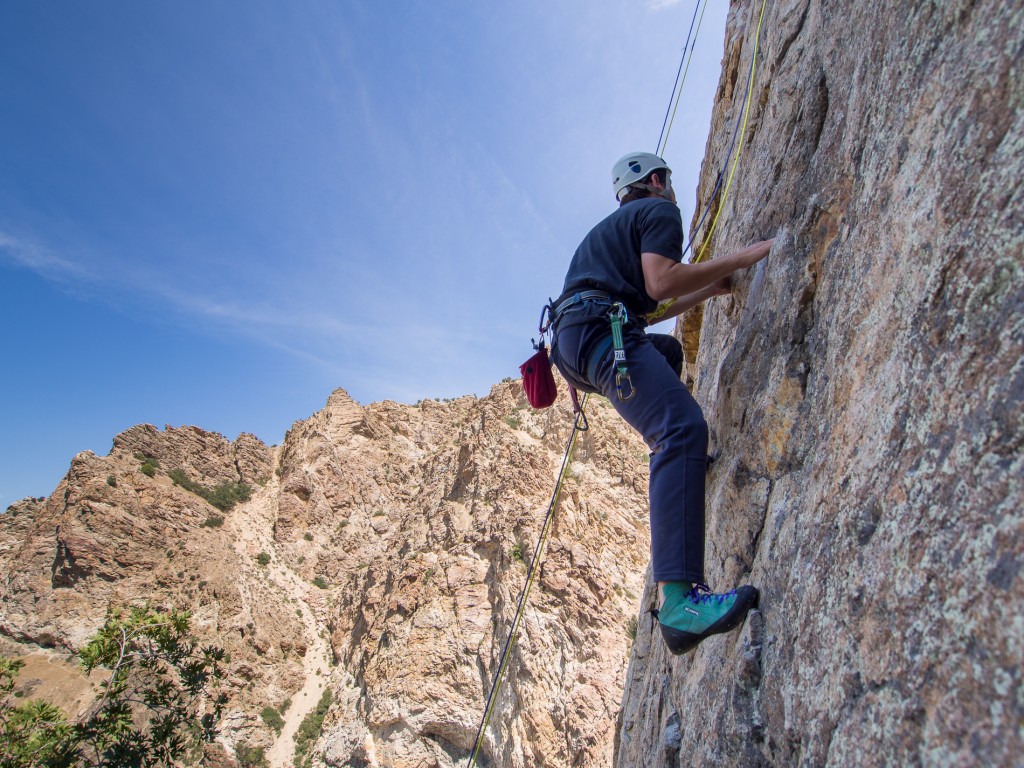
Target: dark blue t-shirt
(608, 259)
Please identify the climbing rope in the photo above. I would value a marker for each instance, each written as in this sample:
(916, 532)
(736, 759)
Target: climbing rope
(677, 87)
(745, 114)
(579, 425)
(741, 120)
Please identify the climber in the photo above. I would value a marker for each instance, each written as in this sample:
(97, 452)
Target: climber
(627, 264)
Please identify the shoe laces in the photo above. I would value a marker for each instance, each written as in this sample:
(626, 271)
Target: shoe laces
(701, 594)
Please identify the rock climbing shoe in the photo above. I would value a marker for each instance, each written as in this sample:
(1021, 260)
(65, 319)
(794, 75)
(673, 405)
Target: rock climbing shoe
(692, 612)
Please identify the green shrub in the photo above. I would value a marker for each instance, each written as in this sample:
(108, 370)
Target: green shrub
(223, 496)
(148, 469)
(321, 582)
(309, 731)
(308, 536)
(112, 481)
(263, 558)
(272, 718)
(213, 521)
(250, 757)
(226, 495)
(517, 552)
(179, 477)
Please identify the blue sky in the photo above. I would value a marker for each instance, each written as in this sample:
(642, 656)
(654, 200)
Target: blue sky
(216, 213)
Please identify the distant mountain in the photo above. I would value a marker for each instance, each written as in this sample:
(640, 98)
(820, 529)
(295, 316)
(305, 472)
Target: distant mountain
(379, 553)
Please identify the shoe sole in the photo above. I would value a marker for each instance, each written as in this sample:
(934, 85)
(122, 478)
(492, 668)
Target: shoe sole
(680, 642)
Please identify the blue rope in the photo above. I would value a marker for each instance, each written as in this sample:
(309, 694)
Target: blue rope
(679, 71)
(725, 165)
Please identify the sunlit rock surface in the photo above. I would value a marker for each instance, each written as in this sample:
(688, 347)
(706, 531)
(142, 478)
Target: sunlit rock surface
(864, 389)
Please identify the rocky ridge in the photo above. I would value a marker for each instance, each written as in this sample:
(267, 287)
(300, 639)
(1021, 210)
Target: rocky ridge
(380, 555)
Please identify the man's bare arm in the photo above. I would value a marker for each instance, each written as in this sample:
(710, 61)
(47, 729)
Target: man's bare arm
(680, 304)
(666, 279)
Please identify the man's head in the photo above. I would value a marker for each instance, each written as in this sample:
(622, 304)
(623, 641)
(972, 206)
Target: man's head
(641, 174)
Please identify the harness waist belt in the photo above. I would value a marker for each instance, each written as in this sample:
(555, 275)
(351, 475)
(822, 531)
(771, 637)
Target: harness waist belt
(579, 297)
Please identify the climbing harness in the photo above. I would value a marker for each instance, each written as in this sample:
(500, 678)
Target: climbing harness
(555, 312)
(618, 316)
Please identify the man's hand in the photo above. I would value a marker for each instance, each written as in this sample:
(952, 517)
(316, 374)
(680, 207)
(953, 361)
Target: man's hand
(722, 287)
(752, 254)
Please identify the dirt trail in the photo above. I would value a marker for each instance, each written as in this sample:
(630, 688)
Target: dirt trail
(250, 539)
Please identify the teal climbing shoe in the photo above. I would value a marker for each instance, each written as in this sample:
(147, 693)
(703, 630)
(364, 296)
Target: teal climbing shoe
(692, 612)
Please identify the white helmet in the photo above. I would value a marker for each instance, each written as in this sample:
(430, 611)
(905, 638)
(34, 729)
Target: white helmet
(634, 167)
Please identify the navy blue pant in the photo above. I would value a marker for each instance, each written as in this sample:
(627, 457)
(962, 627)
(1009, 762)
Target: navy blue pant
(664, 412)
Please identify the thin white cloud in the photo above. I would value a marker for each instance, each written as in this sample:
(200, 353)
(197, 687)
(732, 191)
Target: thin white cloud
(276, 326)
(40, 260)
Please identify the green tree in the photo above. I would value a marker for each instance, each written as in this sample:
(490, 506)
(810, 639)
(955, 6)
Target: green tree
(157, 707)
(33, 733)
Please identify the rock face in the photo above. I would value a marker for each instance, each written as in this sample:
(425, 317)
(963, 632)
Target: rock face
(425, 520)
(863, 386)
(381, 555)
(864, 390)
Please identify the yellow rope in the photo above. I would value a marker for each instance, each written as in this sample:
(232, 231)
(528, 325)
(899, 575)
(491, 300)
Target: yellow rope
(663, 307)
(679, 92)
(743, 130)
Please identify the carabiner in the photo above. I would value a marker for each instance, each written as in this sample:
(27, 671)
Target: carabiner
(619, 378)
(546, 310)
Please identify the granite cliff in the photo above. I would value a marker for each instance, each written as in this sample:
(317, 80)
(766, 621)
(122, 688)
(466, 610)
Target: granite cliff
(864, 389)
